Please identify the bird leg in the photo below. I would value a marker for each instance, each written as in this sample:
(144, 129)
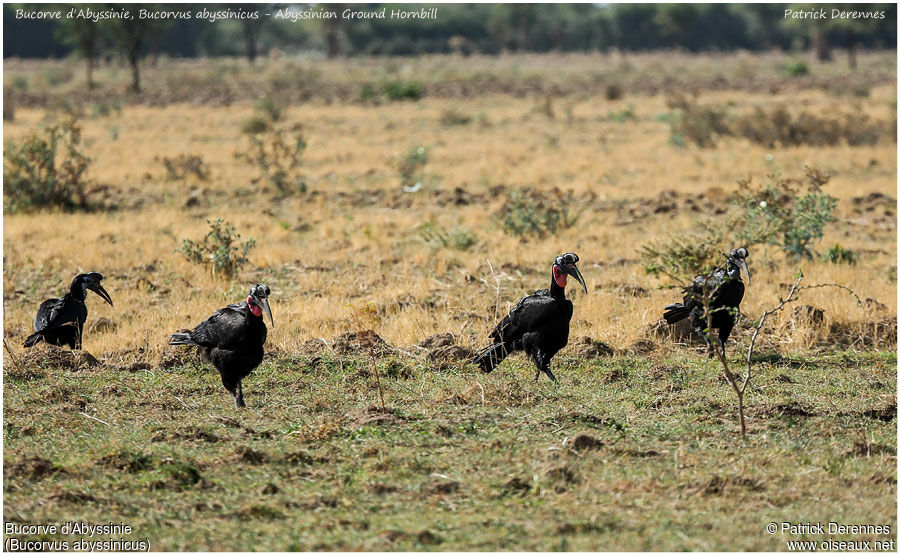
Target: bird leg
(722, 346)
(239, 396)
(549, 373)
(538, 360)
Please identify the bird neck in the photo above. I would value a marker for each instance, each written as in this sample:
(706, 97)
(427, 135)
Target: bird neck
(78, 290)
(732, 270)
(556, 291)
(254, 308)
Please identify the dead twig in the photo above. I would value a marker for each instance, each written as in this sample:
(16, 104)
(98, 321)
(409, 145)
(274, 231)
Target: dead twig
(86, 415)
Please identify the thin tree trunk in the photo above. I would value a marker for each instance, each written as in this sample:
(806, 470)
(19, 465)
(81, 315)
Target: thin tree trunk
(135, 75)
(89, 62)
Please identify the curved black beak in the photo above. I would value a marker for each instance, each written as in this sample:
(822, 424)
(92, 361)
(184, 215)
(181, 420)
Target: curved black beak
(573, 271)
(99, 290)
(742, 264)
(263, 303)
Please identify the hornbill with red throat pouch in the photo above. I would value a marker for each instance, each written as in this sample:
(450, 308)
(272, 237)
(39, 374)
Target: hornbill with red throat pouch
(538, 324)
(232, 339)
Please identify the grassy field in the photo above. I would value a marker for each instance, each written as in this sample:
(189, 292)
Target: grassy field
(636, 450)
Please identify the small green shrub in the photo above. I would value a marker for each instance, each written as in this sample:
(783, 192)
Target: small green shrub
(46, 169)
(54, 76)
(9, 110)
(278, 156)
(184, 165)
(776, 213)
(623, 115)
(103, 108)
(795, 68)
(411, 166)
(529, 212)
(779, 127)
(701, 125)
(20, 83)
(839, 255)
(403, 90)
(367, 93)
(270, 107)
(779, 214)
(453, 117)
(221, 249)
(255, 124)
(438, 237)
(685, 255)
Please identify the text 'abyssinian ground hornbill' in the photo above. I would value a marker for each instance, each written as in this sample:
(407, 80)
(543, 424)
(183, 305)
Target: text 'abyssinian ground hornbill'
(61, 321)
(538, 324)
(232, 339)
(723, 289)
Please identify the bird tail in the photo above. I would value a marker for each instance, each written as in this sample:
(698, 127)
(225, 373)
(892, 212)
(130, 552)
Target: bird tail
(33, 339)
(675, 313)
(490, 357)
(181, 338)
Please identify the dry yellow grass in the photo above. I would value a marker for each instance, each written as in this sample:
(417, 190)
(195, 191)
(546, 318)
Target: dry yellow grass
(365, 265)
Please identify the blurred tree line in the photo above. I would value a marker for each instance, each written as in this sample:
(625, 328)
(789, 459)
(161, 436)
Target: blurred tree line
(461, 28)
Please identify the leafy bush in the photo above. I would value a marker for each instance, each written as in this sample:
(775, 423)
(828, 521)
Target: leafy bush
(779, 214)
(411, 166)
(184, 165)
(623, 115)
(453, 117)
(701, 125)
(20, 83)
(366, 93)
(221, 249)
(9, 110)
(255, 124)
(839, 255)
(685, 255)
(102, 108)
(778, 127)
(795, 68)
(529, 212)
(58, 75)
(278, 156)
(403, 90)
(270, 107)
(438, 237)
(46, 169)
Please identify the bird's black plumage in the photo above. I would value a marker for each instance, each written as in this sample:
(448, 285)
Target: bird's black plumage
(537, 325)
(61, 321)
(232, 339)
(724, 290)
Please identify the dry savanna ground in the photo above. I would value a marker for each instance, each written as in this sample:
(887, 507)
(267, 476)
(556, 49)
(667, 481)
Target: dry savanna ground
(636, 448)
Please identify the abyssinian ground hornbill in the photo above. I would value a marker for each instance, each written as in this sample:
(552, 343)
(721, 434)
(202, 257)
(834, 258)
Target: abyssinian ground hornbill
(538, 324)
(232, 339)
(724, 289)
(61, 321)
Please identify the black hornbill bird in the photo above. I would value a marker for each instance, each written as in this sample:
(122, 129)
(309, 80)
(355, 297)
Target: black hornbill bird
(232, 339)
(724, 290)
(61, 321)
(538, 324)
